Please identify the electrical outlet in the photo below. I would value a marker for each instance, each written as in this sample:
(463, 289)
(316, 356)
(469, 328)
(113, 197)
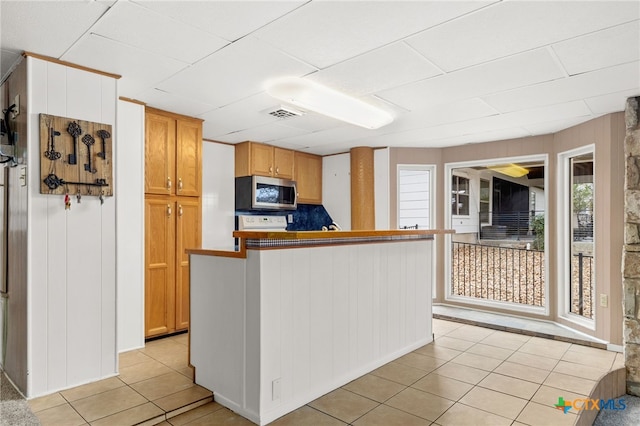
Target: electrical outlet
(290, 218)
(16, 109)
(604, 300)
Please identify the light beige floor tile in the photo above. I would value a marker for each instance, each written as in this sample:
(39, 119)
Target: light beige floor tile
(143, 371)
(523, 372)
(132, 416)
(535, 361)
(470, 332)
(588, 350)
(90, 389)
(161, 386)
(399, 373)
(570, 383)
(421, 404)
(618, 361)
(384, 415)
(344, 405)
(107, 403)
(307, 416)
(509, 385)
(548, 396)
(44, 402)
(183, 398)
(374, 387)
(603, 359)
(452, 343)
(477, 361)
(440, 327)
(462, 373)
(196, 413)
(543, 415)
(545, 347)
(183, 339)
(443, 386)
(187, 372)
(463, 415)
(505, 340)
(127, 359)
(579, 370)
(494, 402)
(60, 415)
(439, 352)
(490, 351)
(423, 362)
(223, 416)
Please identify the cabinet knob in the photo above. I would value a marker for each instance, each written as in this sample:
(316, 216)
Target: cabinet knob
(169, 182)
(270, 169)
(180, 210)
(277, 170)
(169, 210)
(179, 184)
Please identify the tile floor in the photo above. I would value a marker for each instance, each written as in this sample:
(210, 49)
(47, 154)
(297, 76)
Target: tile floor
(468, 376)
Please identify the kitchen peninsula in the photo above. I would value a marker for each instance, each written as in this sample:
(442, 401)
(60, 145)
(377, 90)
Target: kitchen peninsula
(291, 316)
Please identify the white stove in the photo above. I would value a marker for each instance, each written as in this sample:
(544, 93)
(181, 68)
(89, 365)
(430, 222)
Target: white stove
(262, 223)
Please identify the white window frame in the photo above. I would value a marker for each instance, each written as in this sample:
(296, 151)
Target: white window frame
(563, 220)
(448, 224)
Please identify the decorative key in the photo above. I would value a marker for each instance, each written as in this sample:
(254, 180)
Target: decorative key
(101, 197)
(88, 141)
(103, 134)
(52, 154)
(78, 197)
(74, 130)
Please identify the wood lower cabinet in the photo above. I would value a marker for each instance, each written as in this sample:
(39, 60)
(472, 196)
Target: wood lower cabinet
(308, 175)
(172, 225)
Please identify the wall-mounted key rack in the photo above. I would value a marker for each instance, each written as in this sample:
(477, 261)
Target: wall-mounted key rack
(76, 156)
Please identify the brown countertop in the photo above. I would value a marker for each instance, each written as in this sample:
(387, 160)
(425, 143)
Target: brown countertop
(270, 240)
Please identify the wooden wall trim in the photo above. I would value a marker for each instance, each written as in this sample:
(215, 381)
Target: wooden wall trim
(70, 65)
(133, 101)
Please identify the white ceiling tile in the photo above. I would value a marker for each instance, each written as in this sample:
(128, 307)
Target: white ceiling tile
(158, 99)
(511, 27)
(612, 102)
(553, 126)
(324, 33)
(496, 76)
(136, 26)
(140, 70)
(265, 134)
(46, 27)
(334, 135)
(228, 19)
(380, 69)
(595, 83)
(601, 49)
(235, 72)
(492, 135)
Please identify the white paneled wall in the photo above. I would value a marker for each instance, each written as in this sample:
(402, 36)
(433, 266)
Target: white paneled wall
(218, 196)
(336, 188)
(72, 253)
(129, 189)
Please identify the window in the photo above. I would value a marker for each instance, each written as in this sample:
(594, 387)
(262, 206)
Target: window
(485, 190)
(459, 196)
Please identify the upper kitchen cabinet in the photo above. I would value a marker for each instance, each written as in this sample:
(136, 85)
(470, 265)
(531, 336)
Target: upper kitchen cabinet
(173, 146)
(308, 175)
(263, 160)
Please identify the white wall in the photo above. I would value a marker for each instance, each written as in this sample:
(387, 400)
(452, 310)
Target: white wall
(381, 182)
(129, 190)
(218, 196)
(71, 253)
(336, 188)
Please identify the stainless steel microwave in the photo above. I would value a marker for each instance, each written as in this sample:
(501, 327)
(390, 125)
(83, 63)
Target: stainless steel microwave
(265, 193)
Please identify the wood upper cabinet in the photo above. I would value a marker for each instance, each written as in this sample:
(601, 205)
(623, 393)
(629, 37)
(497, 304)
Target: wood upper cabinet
(308, 175)
(173, 159)
(263, 160)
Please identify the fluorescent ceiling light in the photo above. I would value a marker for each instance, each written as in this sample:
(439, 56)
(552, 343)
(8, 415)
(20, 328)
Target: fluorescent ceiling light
(323, 100)
(512, 170)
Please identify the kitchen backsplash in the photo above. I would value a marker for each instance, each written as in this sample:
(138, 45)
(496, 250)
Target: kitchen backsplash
(308, 217)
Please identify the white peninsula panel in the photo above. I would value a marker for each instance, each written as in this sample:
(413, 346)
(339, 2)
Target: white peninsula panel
(281, 327)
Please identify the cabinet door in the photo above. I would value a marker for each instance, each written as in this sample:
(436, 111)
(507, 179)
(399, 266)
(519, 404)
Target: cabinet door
(261, 159)
(159, 158)
(308, 175)
(188, 157)
(160, 262)
(188, 230)
(283, 161)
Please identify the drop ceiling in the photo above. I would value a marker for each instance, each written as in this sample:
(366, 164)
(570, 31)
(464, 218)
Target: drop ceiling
(451, 72)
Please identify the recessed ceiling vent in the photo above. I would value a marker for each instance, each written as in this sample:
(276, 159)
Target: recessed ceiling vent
(285, 112)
